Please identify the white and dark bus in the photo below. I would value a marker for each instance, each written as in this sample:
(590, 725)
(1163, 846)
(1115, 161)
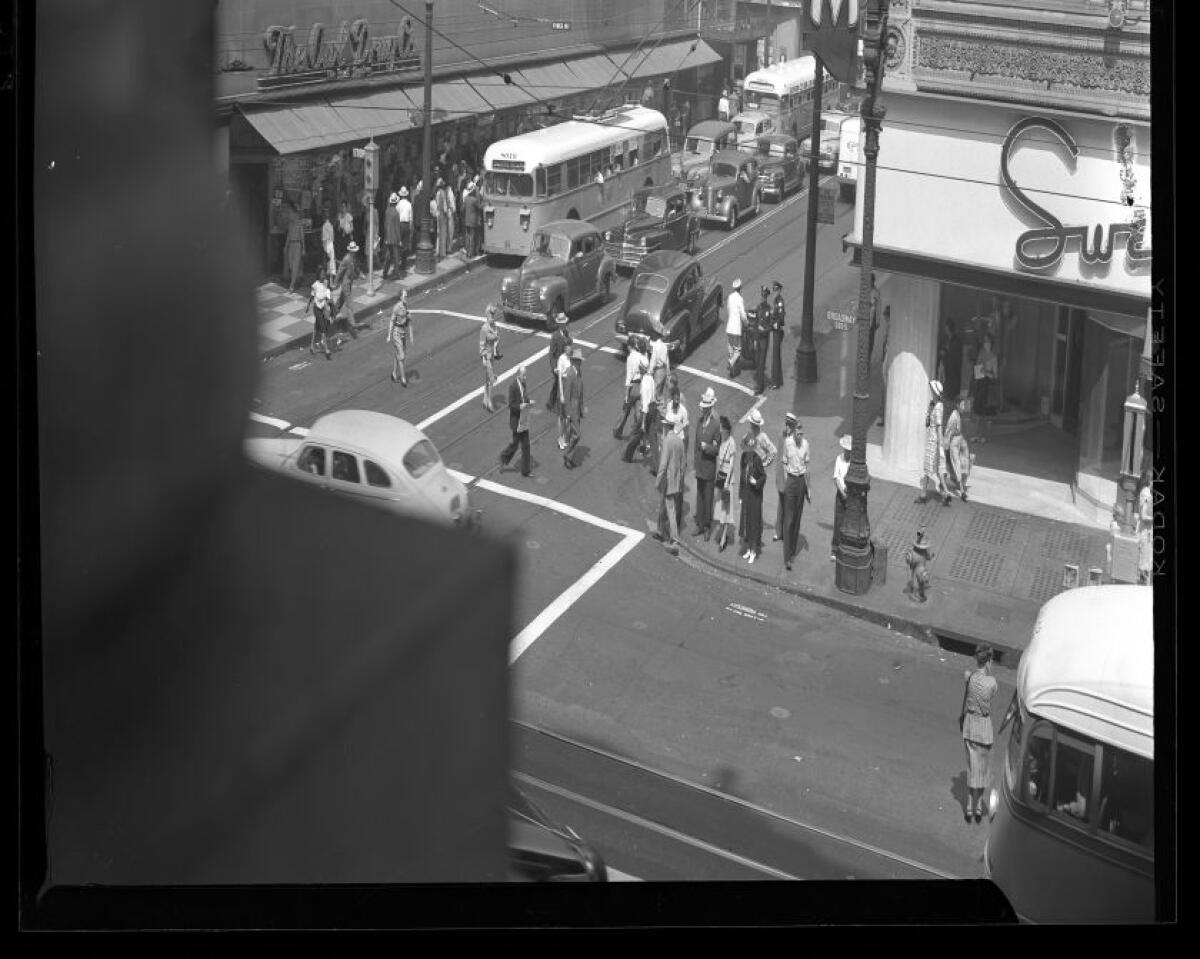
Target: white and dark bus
(1072, 818)
(582, 169)
(784, 92)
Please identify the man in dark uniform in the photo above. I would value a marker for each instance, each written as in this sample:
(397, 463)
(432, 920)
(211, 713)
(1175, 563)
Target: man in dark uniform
(573, 405)
(518, 421)
(778, 329)
(560, 342)
(761, 325)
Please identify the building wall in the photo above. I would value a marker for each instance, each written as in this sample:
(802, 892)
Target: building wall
(241, 23)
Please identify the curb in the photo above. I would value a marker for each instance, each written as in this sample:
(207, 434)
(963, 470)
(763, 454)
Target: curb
(464, 266)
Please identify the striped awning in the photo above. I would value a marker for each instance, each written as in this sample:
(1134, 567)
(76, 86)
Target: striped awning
(503, 95)
(312, 126)
(550, 81)
(668, 58)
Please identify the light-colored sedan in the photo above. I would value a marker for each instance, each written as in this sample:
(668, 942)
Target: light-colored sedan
(374, 456)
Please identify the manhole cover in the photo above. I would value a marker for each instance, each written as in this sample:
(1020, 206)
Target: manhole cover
(779, 712)
(979, 567)
(991, 527)
(1062, 542)
(533, 544)
(1047, 583)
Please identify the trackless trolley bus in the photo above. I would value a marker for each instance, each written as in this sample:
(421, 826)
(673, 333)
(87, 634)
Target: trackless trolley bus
(582, 169)
(785, 92)
(1072, 831)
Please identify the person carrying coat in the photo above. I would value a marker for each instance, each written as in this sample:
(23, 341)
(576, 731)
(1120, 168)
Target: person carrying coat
(573, 406)
(708, 444)
(670, 486)
(778, 329)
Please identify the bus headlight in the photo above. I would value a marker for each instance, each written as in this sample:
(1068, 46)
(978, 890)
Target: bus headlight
(524, 216)
(993, 802)
(489, 215)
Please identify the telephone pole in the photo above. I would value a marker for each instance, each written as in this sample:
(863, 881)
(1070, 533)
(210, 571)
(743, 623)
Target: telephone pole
(426, 261)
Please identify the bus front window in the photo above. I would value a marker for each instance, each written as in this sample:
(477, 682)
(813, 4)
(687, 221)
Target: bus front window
(520, 184)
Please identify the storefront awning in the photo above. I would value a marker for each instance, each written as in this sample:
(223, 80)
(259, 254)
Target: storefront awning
(314, 126)
(503, 95)
(456, 99)
(667, 58)
(596, 72)
(550, 81)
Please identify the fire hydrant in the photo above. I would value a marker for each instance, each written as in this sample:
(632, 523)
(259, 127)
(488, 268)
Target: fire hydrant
(919, 555)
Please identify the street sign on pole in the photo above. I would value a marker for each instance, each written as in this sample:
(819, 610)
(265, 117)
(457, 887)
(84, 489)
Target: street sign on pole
(360, 153)
(827, 203)
(840, 321)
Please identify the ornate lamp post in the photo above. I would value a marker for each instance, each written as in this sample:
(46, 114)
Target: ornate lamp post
(806, 352)
(426, 261)
(853, 573)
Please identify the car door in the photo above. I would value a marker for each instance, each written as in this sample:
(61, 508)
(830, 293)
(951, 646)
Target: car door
(312, 464)
(791, 164)
(745, 188)
(675, 222)
(687, 301)
(345, 476)
(576, 269)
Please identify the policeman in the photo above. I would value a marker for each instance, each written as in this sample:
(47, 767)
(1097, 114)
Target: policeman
(762, 329)
(778, 328)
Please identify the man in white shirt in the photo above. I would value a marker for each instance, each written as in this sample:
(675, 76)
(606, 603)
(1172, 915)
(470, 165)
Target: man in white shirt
(840, 467)
(795, 491)
(560, 371)
(405, 211)
(660, 364)
(723, 105)
(647, 422)
(635, 365)
(735, 309)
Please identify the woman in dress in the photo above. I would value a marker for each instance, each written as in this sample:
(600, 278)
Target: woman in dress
(753, 479)
(400, 334)
(957, 453)
(726, 506)
(932, 469)
(976, 724)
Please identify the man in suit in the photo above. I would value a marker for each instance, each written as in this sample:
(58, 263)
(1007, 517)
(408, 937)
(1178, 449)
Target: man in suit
(518, 421)
(344, 283)
(670, 485)
(392, 236)
(708, 443)
(761, 326)
(573, 405)
(472, 218)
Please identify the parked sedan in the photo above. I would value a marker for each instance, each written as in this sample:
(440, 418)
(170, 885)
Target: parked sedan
(662, 219)
(779, 168)
(377, 457)
(669, 295)
(730, 190)
(566, 267)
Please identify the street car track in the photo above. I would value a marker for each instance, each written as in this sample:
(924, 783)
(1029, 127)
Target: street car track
(858, 846)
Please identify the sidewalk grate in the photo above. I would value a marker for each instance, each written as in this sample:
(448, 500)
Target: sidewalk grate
(1062, 542)
(991, 527)
(1047, 583)
(913, 515)
(897, 540)
(979, 567)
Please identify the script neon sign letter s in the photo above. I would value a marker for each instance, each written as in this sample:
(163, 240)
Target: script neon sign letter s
(1100, 249)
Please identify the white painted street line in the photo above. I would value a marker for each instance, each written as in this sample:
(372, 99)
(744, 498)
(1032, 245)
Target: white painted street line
(653, 826)
(299, 430)
(747, 611)
(546, 503)
(565, 600)
(477, 393)
(732, 384)
(270, 421)
(757, 403)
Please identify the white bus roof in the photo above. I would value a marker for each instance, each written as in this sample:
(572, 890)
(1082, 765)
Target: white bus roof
(1090, 665)
(781, 76)
(573, 137)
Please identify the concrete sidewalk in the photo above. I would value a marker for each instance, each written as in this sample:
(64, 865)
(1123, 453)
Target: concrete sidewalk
(284, 325)
(994, 566)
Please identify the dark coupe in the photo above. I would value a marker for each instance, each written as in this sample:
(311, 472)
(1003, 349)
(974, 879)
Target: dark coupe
(669, 295)
(661, 219)
(779, 167)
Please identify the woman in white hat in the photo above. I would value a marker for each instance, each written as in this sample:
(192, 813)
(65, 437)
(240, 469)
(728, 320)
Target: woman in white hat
(932, 468)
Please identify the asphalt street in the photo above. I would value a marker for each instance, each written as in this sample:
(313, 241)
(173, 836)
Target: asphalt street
(668, 685)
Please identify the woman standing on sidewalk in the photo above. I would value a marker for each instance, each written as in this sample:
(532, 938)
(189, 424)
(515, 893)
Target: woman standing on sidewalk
(750, 489)
(319, 302)
(932, 469)
(987, 370)
(958, 454)
(975, 721)
(726, 508)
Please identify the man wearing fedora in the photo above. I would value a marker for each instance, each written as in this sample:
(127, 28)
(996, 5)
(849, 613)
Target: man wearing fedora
(708, 444)
(344, 283)
(560, 342)
(472, 219)
(573, 406)
(795, 456)
(392, 237)
(636, 363)
(518, 421)
(671, 469)
(841, 466)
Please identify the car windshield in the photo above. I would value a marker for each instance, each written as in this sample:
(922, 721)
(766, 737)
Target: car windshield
(654, 205)
(652, 282)
(831, 124)
(724, 169)
(768, 149)
(747, 127)
(698, 145)
(551, 244)
(421, 459)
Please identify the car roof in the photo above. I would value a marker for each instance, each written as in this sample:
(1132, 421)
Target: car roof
(733, 156)
(573, 229)
(666, 262)
(366, 429)
(711, 128)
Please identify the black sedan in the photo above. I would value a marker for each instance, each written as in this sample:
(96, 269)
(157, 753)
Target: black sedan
(670, 296)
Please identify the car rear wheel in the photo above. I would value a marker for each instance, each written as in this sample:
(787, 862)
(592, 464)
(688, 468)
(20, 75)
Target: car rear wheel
(731, 218)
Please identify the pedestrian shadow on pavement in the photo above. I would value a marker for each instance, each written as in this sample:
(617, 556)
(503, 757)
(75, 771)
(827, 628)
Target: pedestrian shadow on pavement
(958, 789)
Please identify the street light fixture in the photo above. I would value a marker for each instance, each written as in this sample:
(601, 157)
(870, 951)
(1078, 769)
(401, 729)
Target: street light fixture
(426, 260)
(854, 550)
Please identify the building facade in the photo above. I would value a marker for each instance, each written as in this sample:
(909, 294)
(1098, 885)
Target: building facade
(302, 86)
(1013, 199)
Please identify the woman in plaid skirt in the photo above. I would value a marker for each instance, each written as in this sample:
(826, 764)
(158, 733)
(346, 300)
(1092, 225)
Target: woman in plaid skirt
(976, 724)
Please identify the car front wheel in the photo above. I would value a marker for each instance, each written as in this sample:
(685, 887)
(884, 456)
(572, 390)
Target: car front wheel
(731, 218)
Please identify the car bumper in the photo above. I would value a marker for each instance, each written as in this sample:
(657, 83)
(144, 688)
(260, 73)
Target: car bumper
(770, 190)
(717, 216)
(628, 257)
(537, 316)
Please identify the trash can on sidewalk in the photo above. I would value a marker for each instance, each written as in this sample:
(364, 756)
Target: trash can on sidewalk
(879, 556)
